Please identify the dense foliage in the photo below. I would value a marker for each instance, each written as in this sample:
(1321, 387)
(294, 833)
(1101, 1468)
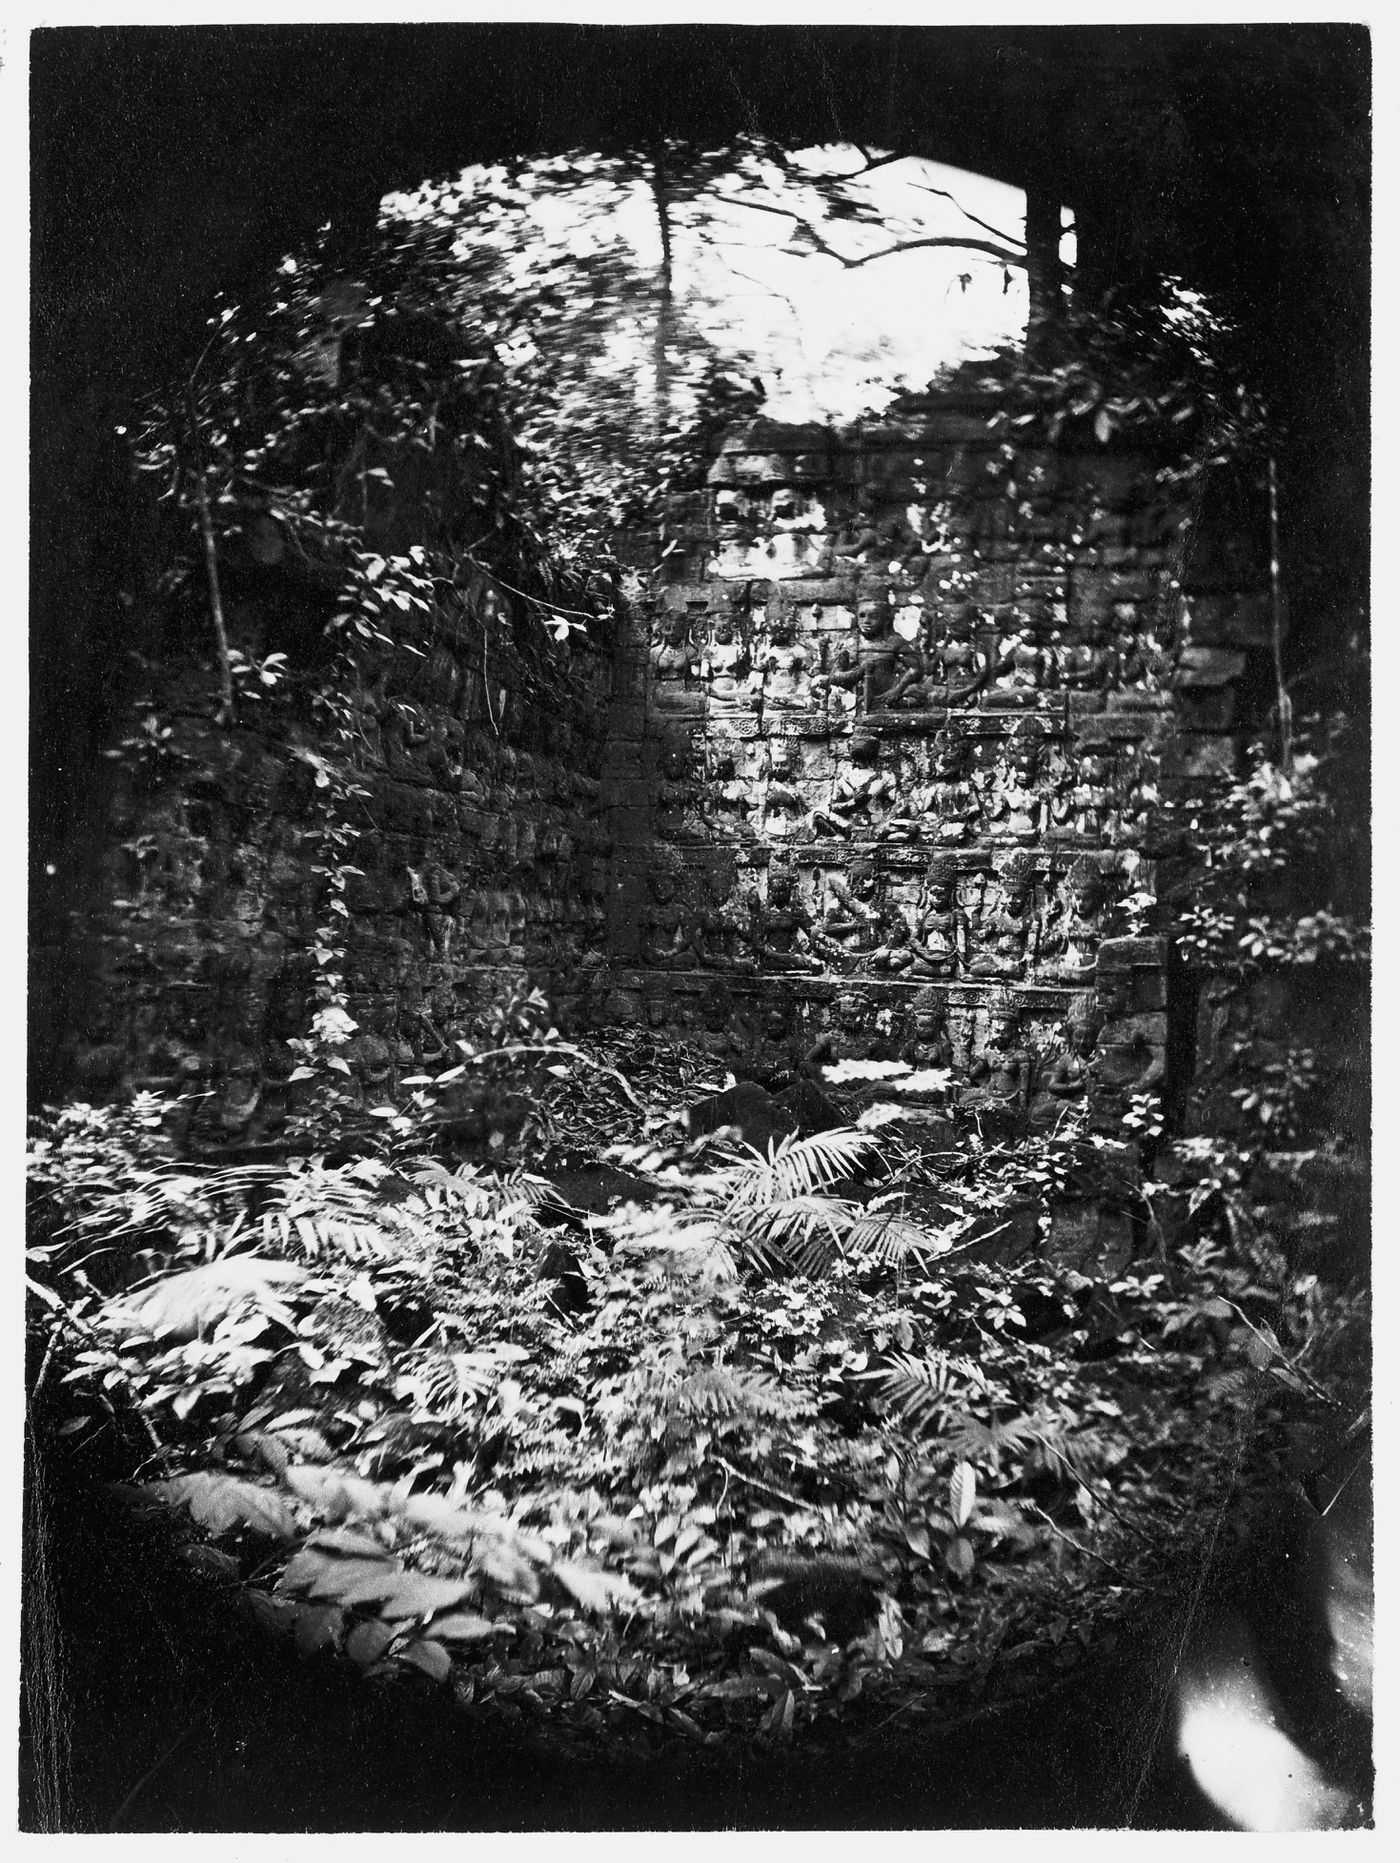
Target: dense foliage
(758, 1439)
(768, 1434)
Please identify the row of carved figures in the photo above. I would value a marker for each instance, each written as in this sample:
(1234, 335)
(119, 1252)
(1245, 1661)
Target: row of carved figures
(997, 926)
(1019, 789)
(1014, 1063)
(928, 660)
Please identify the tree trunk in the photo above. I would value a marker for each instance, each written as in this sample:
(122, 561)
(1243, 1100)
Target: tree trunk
(665, 309)
(1042, 263)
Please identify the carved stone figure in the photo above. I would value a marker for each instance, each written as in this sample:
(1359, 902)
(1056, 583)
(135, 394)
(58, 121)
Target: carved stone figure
(1056, 793)
(851, 920)
(1086, 665)
(1001, 937)
(882, 667)
(730, 798)
(1000, 1077)
(929, 1044)
(1092, 795)
(784, 813)
(725, 665)
(1013, 797)
(957, 669)
(1066, 1078)
(952, 802)
(938, 938)
(1074, 933)
(437, 892)
(785, 927)
(784, 669)
(1022, 668)
(672, 662)
(862, 794)
(665, 935)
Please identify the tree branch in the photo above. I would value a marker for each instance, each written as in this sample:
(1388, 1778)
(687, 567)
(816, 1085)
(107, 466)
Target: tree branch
(211, 565)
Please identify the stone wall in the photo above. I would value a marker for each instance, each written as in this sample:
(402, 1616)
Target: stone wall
(450, 760)
(480, 865)
(873, 776)
(884, 776)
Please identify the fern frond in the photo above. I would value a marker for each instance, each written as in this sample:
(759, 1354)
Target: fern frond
(798, 1167)
(724, 1391)
(972, 1440)
(919, 1389)
(890, 1237)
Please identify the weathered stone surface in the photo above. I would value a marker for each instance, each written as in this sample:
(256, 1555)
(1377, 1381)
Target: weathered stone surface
(757, 1116)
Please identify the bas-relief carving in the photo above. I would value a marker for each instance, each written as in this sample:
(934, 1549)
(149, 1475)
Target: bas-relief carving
(783, 666)
(880, 668)
(999, 1078)
(1024, 649)
(1002, 922)
(938, 939)
(725, 665)
(862, 794)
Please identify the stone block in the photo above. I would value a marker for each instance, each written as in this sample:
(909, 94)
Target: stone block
(1208, 666)
(1135, 1029)
(1206, 711)
(1091, 1237)
(1205, 756)
(1133, 953)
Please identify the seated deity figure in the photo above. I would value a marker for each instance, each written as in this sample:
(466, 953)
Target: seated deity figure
(882, 667)
(1143, 664)
(1092, 795)
(786, 927)
(725, 664)
(1001, 937)
(665, 933)
(862, 794)
(957, 668)
(938, 937)
(927, 1042)
(907, 817)
(852, 918)
(952, 799)
(893, 954)
(730, 798)
(730, 936)
(680, 799)
(999, 1079)
(673, 660)
(1013, 801)
(1067, 1075)
(782, 672)
(1023, 667)
(1075, 931)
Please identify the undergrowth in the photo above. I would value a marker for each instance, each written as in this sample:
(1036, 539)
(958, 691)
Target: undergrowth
(756, 1442)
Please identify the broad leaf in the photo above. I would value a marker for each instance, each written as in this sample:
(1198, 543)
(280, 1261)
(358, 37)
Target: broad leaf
(185, 1305)
(595, 1590)
(962, 1493)
(420, 1594)
(317, 1627)
(366, 1643)
(430, 1657)
(221, 1503)
(462, 1627)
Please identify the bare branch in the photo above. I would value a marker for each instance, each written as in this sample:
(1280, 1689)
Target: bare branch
(1007, 254)
(986, 225)
(1004, 253)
